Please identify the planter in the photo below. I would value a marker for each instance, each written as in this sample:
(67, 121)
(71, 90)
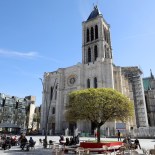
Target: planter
(99, 145)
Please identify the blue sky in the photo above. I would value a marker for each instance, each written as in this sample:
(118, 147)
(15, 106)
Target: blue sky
(38, 36)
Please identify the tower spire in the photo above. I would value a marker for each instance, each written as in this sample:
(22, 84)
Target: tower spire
(152, 76)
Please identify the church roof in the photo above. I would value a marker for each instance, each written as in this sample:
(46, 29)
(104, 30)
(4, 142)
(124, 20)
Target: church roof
(96, 12)
(146, 83)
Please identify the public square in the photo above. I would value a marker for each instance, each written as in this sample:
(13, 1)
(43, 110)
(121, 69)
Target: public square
(39, 150)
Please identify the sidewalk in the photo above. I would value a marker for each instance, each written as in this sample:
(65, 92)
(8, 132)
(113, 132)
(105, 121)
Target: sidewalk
(17, 151)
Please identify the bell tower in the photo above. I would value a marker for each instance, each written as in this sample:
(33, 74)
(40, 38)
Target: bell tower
(97, 51)
(96, 43)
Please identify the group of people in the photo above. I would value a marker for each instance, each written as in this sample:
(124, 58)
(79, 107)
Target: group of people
(128, 140)
(7, 141)
(26, 143)
(69, 141)
(14, 140)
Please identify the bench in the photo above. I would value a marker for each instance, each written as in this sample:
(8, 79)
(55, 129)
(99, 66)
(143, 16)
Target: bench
(27, 146)
(72, 148)
(85, 150)
(146, 152)
(32, 146)
(77, 149)
(49, 144)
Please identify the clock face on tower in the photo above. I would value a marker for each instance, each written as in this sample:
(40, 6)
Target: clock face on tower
(71, 80)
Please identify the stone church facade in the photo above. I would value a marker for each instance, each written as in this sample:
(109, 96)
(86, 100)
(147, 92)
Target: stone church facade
(96, 71)
(149, 89)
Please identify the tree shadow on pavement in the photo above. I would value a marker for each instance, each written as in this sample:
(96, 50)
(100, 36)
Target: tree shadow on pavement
(37, 151)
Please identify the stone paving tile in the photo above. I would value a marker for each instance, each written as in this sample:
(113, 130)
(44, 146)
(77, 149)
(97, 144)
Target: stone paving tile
(18, 151)
(145, 143)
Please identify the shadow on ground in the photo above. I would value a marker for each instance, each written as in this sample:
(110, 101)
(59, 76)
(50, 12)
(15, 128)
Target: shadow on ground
(37, 151)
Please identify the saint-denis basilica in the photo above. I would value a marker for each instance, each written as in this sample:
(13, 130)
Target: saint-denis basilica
(97, 70)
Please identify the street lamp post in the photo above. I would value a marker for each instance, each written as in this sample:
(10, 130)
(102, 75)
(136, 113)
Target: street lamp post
(48, 107)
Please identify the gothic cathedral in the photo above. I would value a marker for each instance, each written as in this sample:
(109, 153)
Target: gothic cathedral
(96, 71)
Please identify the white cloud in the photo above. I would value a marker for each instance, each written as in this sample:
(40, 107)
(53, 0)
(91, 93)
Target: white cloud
(9, 53)
(27, 55)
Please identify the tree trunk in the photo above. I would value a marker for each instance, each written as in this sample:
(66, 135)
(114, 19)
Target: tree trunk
(98, 134)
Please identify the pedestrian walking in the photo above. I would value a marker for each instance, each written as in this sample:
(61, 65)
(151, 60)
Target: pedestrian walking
(119, 135)
(137, 144)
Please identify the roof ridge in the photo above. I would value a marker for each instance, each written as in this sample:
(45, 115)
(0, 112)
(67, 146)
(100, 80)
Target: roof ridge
(96, 12)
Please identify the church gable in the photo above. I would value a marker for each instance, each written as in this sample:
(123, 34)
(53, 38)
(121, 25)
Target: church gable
(71, 76)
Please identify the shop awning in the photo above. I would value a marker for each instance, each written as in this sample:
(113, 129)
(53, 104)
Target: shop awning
(8, 125)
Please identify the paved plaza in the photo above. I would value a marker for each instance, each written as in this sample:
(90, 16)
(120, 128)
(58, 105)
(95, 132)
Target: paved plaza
(39, 150)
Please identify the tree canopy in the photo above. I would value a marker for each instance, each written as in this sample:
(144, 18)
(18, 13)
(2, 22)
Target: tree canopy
(98, 105)
(92, 104)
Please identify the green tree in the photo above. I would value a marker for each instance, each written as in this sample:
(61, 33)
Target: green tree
(98, 106)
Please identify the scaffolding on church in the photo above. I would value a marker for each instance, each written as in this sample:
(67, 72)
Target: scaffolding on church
(134, 76)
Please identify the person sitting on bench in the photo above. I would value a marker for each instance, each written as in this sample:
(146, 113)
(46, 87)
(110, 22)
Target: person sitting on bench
(61, 140)
(40, 141)
(31, 142)
(67, 141)
(23, 142)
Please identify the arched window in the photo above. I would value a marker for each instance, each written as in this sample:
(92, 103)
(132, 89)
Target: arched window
(96, 32)
(105, 35)
(53, 110)
(95, 52)
(51, 95)
(56, 91)
(95, 82)
(88, 83)
(108, 34)
(107, 54)
(3, 102)
(92, 33)
(87, 35)
(105, 50)
(89, 55)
